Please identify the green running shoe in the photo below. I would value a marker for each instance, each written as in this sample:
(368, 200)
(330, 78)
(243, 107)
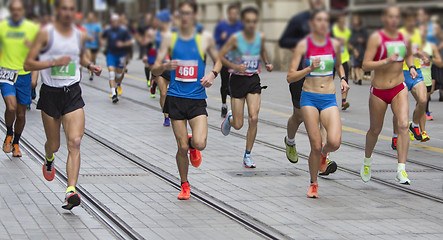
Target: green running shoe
(291, 152)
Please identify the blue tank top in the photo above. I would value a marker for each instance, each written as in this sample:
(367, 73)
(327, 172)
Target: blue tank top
(185, 80)
(430, 37)
(248, 53)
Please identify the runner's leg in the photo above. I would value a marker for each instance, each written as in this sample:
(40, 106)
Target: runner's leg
(181, 136)
(400, 109)
(311, 120)
(420, 94)
(238, 108)
(253, 102)
(377, 111)
(52, 131)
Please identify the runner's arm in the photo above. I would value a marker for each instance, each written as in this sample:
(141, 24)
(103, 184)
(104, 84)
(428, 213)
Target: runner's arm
(213, 53)
(230, 45)
(338, 64)
(371, 49)
(436, 58)
(293, 74)
(159, 67)
(264, 55)
(84, 60)
(31, 64)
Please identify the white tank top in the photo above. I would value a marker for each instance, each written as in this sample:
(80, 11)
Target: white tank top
(59, 46)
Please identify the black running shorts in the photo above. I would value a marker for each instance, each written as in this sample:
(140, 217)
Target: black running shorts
(184, 108)
(295, 88)
(240, 85)
(57, 102)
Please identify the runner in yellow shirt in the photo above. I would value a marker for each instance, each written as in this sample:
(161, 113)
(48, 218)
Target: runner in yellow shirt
(343, 34)
(16, 37)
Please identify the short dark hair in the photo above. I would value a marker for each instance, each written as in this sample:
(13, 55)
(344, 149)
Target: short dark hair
(316, 12)
(233, 6)
(248, 10)
(409, 12)
(191, 3)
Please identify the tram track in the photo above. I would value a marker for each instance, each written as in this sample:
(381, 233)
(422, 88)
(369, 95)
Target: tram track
(345, 143)
(115, 224)
(397, 186)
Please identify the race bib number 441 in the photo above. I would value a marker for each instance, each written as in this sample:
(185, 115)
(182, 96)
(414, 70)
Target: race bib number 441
(8, 75)
(63, 71)
(186, 71)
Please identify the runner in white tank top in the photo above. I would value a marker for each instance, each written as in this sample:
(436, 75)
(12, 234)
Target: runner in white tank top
(60, 48)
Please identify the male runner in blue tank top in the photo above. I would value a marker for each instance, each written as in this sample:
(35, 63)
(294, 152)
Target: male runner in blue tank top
(186, 98)
(247, 48)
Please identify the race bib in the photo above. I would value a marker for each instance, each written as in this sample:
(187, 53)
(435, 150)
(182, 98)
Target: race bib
(63, 72)
(415, 49)
(252, 63)
(326, 67)
(186, 71)
(8, 75)
(397, 47)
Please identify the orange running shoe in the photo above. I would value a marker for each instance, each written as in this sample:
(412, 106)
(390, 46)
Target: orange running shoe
(323, 163)
(195, 156)
(185, 192)
(312, 191)
(16, 151)
(7, 144)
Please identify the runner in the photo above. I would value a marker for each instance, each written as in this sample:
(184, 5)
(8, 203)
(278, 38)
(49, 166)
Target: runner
(319, 55)
(385, 53)
(343, 34)
(185, 101)
(60, 48)
(16, 36)
(416, 86)
(222, 33)
(433, 54)
(162, 81)
(296, 30)
(247, 47)
(118, 39)
(92, 44)
(357, 45)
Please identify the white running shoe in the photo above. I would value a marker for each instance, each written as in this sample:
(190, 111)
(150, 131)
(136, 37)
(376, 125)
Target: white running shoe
(226, 125)
(247, 161)
(402, 178)
(365, 172)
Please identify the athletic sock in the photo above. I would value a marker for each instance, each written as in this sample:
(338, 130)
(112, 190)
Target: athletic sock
(343, 100)
(70, 189)
(119, 84)
(427, 104)
(16, 138)
(50, 159)
(394, 135)
(9, 131)
(113, 91)
(190, 143)
(184, 182)
(291, 142)
(313, 182)
(247, 152)
(147, 73)
(414, 125)
(401, 167)
(368, 161)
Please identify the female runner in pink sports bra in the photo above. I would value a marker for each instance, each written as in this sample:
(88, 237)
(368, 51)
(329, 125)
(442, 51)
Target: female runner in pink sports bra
(385, 53)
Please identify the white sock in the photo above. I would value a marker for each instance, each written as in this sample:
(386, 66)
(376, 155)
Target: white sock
(290, 141)
(368, 161)
(414, 125)
(224, 105)
(401, 167)
(394, 135)
(113, 91)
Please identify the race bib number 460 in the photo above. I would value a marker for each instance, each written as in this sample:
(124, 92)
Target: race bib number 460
(186, 71)
(8, 75)
(63, 71)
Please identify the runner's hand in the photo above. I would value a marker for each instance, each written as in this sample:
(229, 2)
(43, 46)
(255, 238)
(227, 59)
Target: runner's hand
(119, 44)
(344, 86)
(241, 68)
(393, 58)
(97, 69)
(145, 59)
(413, 72)
(269, 67)
(315, 64)
(207, 80)
(62, 61)
(356, 53)
(171, 65)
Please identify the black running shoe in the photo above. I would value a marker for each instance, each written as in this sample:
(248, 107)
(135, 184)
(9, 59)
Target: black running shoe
(332, 167)
(414, 132)
(394, 143)
(224, 111)
(115, 98)
(72, 200)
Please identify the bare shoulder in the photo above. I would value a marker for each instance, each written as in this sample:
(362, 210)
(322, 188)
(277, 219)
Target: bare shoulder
(375, 37)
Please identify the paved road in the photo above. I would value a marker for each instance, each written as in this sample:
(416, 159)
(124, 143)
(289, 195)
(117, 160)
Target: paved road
(272, 196)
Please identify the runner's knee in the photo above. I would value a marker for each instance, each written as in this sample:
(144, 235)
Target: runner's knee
(74, 143)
